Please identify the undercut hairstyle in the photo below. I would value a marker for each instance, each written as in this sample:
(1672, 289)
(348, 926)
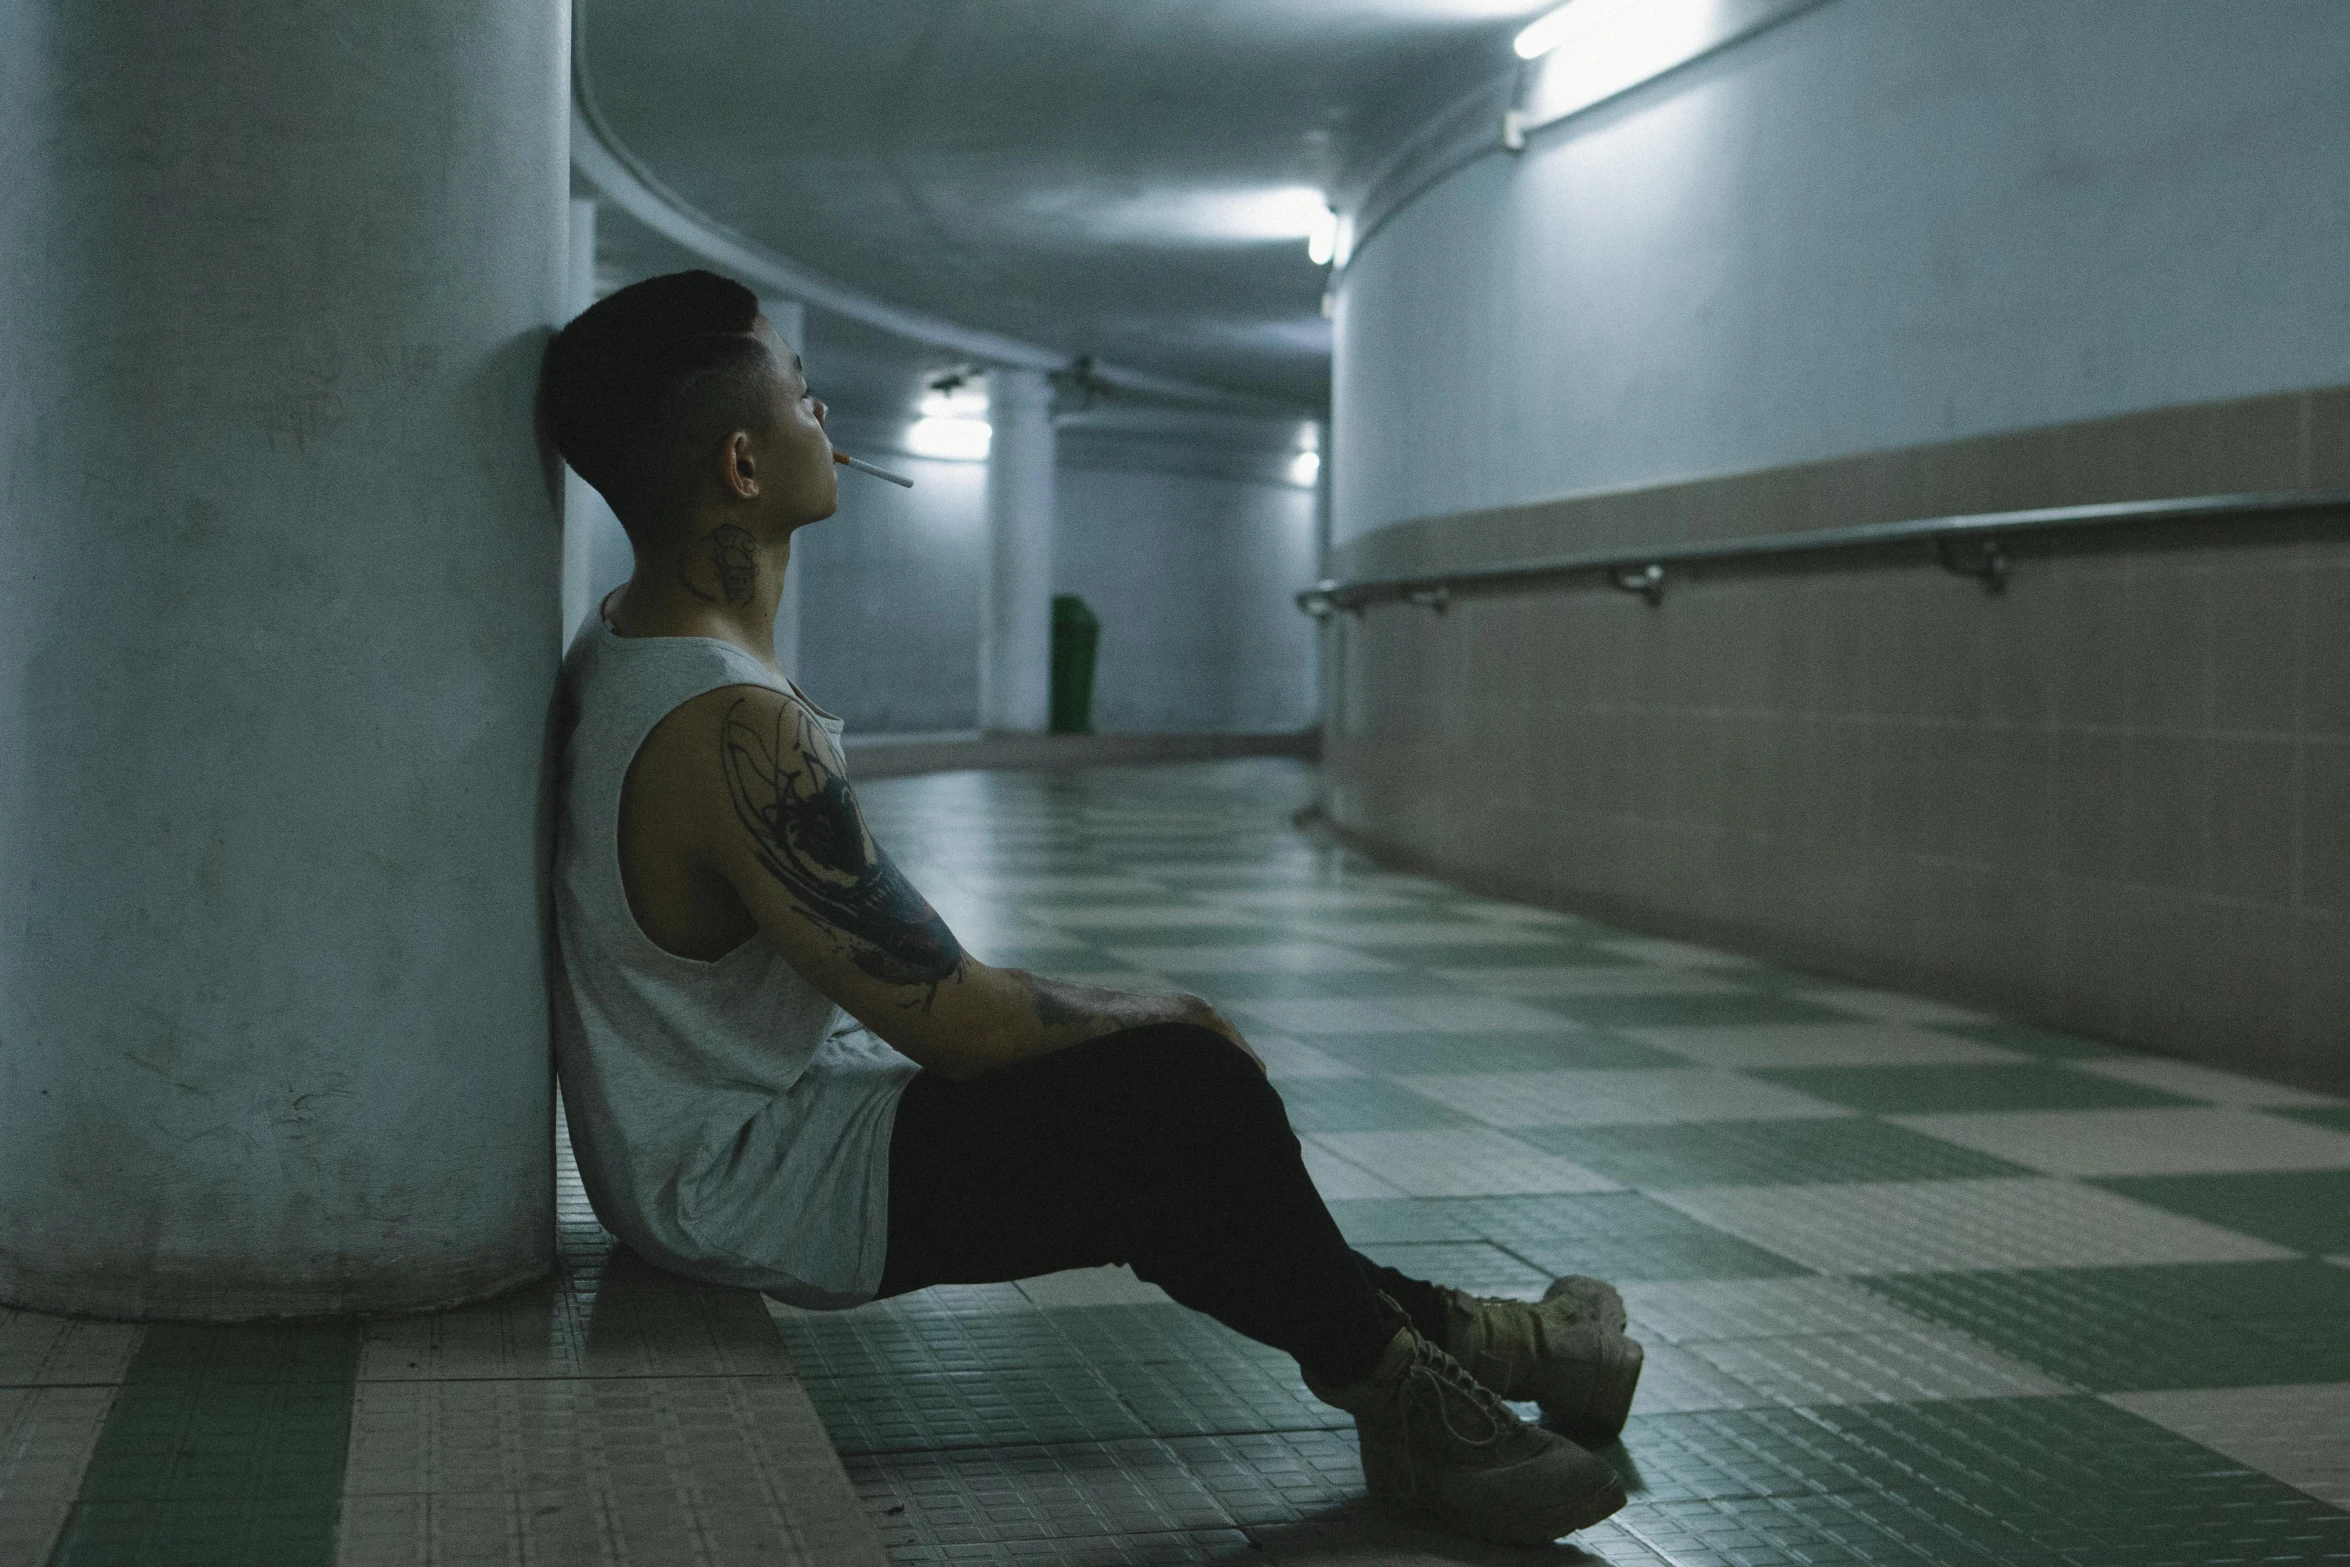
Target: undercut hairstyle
(641, 382)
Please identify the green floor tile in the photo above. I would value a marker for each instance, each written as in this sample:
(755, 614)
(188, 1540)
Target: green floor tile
(1571, 1049)
(2113, 1330)
(1480, 1267)
(225, 1445)
(1369, 986)
(1614, 1235)
(1436, 955)
(1924, 1090)
(2338, 1119)
(2308, 1210)
(1362, 1104)
(2047, 1042)
(1675, 1011)
(1764, 1153)
(2080, 1482)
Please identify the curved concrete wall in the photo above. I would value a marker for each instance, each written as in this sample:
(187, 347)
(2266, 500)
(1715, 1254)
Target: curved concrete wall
(279, 633)
(1885, 261)
(1878, 225)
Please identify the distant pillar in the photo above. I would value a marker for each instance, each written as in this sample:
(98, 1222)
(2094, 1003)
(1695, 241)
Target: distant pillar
(278, 617)
(1016, 617)
(790, 320)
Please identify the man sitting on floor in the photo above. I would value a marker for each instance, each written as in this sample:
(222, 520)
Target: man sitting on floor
(721, 905)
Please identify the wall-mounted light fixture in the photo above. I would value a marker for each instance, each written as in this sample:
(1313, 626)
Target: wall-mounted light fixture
(1588, 51)
(954, 423)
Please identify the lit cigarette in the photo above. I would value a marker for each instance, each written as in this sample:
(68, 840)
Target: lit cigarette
(866, 467)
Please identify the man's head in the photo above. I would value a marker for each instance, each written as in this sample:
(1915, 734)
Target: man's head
(674, 396)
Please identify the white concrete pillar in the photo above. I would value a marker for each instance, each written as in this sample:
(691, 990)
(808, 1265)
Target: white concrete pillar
(1016, 616)
(278, 617)
(790, 320)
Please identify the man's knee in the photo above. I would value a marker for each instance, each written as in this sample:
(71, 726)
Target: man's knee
(1188, 1055)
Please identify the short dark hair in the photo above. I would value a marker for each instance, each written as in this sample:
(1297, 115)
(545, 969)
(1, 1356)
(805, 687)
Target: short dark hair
(640, 376)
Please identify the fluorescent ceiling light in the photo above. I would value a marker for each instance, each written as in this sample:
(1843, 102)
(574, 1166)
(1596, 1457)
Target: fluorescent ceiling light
(1322, 238)
(1592, 50)
(1305, 468)
(957, 440)
(962, 402)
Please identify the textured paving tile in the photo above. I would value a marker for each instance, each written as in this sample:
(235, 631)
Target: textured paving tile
(1820, 1044)
(1464, 1161)
(1619, 1235)
(1698, 1311)
(1926, 1090)
(1616, 978)
(2299, 1434)
(1296, 957)
(2184, 1141)
(1873, 1367)
(2192, 1081)
(1362, 1104)
(1932, 1226)
(2306, 1210)
(1600, 1098)
(1747, 1008)
(2137, 1329)
(1764, 1153)
(1567, 1049)
(1888, 1007)
(2047, 1043)
(1480, 1267)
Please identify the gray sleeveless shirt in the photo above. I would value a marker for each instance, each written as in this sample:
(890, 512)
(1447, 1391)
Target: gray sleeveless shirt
(731, 1123)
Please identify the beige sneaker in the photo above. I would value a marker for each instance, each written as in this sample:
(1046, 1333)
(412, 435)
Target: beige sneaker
(1437, 1445)
(1568, 1353)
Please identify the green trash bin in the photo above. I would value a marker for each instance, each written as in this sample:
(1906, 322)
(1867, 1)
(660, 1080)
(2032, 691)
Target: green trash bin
(1076, 638)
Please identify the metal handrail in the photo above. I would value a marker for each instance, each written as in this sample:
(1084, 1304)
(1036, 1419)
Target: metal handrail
(1644, 571)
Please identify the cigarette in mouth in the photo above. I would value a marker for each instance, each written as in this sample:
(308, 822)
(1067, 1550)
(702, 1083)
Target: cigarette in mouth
(879, 473)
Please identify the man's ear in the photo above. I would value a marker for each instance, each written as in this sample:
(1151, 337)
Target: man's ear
(741, 466)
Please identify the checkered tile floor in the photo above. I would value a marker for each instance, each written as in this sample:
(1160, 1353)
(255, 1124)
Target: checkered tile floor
(1917, 1285)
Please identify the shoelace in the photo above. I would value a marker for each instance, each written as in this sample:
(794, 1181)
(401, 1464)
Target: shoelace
(1444, 1374)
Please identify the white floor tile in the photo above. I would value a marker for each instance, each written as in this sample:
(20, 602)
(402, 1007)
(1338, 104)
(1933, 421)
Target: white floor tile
(1675, 954)
(2201, 1082)
(1404, 1015)
(2300, 1435)
(1874, 1368)
(1818, 1044)
(1113, 1286)
(1135, 916)
(1675, 1380)
(1286, 1057)
(1308, 1017)
(1433, 933)
(1940, 1226)
(1478, 1015)
(1696, 1310)
(1462, 1161)
(1591, 979)
(1618, 1097)
(1306, 899)
(2182, 1141)
(1271, 957)
(1340, 1180)
(1886, 1007)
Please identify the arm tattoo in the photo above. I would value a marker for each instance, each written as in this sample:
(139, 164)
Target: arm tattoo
(731, 556)
(810, 836)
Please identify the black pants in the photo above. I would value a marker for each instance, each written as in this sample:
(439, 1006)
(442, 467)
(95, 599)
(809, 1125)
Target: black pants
(1161, 1147)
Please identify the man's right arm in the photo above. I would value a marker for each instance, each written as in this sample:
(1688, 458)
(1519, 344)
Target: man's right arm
(772, 814)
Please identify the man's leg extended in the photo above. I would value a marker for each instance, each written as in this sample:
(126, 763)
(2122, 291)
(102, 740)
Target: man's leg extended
(1162, 1147)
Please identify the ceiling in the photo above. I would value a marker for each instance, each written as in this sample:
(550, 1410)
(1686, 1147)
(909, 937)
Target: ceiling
(1125, 179)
